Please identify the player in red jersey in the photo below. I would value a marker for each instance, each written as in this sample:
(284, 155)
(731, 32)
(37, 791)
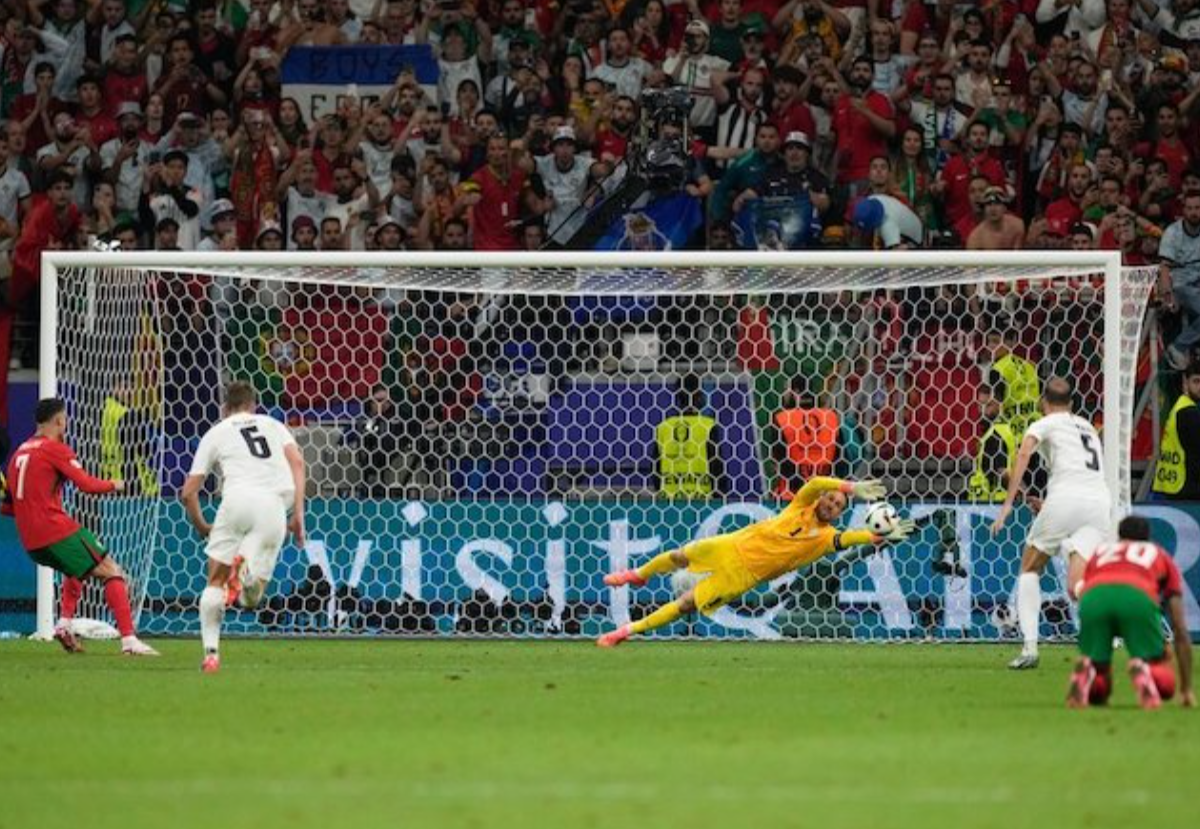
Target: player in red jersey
(52, 538)
(1124, 588)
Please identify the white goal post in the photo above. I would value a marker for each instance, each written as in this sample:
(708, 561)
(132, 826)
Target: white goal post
(84, 295)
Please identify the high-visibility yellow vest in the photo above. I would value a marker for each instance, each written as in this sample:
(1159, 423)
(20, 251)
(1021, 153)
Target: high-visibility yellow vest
(1019, 407)
(1170, 476)
(112, 451)
(683, 462)
(981, 489)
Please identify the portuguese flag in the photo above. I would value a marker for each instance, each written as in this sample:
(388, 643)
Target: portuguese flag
(317, 353)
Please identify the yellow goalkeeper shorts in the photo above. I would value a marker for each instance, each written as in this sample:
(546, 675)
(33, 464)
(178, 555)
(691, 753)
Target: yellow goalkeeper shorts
(727, 577)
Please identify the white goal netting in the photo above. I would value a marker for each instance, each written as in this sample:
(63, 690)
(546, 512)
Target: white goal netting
(484, 443)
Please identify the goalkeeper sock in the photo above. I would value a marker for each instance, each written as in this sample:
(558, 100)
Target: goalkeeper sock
(1029, 609)
(663, 616)
(72, 592)
(660, 565)
(116, 596)
(212, 611)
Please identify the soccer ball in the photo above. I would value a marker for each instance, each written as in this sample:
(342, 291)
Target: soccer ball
(882, 518)
(684, 580)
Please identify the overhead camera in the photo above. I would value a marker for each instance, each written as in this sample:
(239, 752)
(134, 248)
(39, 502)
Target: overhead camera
(672, 104)
(655, 164)
(665, 164)
(662, 150)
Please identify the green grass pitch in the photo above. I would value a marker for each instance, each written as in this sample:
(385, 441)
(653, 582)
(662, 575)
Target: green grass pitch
(536, 734)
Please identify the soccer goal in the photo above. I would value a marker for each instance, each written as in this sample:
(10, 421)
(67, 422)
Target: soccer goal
(487, 435)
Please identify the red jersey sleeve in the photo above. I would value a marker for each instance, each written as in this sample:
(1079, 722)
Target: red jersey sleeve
(1171, 581)
(881, 105)
(62, 458)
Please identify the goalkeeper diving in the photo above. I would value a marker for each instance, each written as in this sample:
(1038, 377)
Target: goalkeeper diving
(733, 563)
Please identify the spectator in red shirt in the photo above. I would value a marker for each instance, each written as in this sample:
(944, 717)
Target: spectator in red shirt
(612, 138)
(91, 112)
(1155, 195)
(124, 80)
(1052, 180)
(495, 199)
(53, 224)
(864, 122)
(975, 159)
(655, 33)
(185, 87)
(977, 190)
(331, 150)
(1170, 146)
(217, 52)
(1063, 214)
(260, 32)
(35, 111)
(788, 109)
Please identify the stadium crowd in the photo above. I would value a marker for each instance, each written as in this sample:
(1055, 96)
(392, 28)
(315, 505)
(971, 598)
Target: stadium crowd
(1001, 124)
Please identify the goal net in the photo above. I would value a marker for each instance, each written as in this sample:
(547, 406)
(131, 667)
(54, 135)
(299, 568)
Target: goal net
(485, 437)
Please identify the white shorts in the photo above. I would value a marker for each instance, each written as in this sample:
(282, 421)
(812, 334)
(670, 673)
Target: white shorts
(1066, 527)
(252, 525)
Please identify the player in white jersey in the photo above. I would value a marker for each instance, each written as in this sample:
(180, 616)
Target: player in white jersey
(1075, 515)
(263, 477)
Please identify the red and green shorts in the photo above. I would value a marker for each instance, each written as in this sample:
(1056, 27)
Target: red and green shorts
(76, 555)
(1109, 610)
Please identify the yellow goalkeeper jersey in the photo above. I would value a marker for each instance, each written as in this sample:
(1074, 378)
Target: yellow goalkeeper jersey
(796, 536)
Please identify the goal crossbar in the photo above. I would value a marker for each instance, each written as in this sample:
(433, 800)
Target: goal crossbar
(647, 274)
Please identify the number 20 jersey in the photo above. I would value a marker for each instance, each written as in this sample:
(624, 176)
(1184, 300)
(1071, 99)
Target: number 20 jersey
(1140, 564)
(1073, 455)
(247, 449)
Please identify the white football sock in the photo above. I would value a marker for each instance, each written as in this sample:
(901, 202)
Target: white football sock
(212, 611)
(1029, 609)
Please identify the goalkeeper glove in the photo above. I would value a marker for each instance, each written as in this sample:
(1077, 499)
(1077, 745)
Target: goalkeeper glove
(868, 490)
(903, 529)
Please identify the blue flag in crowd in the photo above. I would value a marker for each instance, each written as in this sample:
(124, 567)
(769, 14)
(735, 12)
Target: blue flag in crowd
(319, 76)
(666, 223)
(775, 223)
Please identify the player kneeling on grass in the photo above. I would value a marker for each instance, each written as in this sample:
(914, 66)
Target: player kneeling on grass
(263, 474)
(735, 562)
(1124, 585)
(52, 538)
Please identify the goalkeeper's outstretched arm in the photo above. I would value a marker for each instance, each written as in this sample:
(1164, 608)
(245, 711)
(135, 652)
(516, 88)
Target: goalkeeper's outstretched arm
(816, 487)
(857, 544)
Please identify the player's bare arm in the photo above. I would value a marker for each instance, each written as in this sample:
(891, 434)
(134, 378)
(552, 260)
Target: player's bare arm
(1183, 651)
(1024, 456)
(296, 464)
(190, 495)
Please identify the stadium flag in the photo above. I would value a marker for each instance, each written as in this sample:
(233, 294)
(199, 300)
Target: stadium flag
(323, 77)
(322, 356)
(250, 357)
(775, 223)
(666, 223)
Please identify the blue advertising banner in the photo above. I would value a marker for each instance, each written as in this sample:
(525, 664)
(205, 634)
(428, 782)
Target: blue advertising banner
(539, 564)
